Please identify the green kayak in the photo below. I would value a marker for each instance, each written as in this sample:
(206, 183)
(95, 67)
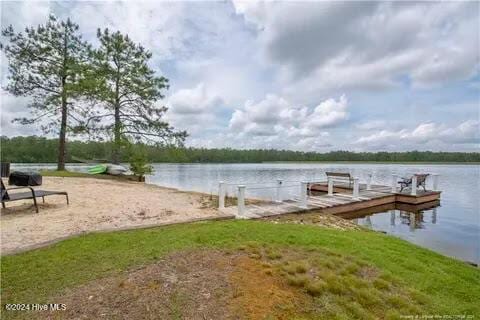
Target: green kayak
(99, 168)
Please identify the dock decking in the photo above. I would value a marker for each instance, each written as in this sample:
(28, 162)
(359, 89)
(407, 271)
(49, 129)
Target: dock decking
(340, 202)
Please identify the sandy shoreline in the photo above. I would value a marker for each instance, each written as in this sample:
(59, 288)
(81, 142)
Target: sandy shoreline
(97, 205)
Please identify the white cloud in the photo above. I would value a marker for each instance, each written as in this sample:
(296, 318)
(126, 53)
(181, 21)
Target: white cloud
(329, 113)
(194, 109)
(142, 21)
(427, 134)
(279, 122)
(220, 55)
(11, 108)
(193, 101)
(371, 125)
(329, 45)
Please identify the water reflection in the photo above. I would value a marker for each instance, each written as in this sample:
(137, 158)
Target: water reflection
(409, 215)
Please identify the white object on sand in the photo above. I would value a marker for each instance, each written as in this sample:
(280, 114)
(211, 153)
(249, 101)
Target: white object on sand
(116, 170)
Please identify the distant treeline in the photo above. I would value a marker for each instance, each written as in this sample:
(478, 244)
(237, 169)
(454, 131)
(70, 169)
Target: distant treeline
(41, 150)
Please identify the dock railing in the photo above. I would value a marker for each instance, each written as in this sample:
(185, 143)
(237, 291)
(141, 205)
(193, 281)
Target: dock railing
(296, 193)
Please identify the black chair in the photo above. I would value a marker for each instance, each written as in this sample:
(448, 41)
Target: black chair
(421, 181)
(32, 194)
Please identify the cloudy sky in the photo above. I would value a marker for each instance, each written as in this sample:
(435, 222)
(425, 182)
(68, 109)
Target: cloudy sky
(314, 76)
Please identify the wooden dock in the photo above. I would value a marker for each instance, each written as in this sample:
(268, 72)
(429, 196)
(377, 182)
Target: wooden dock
(340, 202)
(403, 197)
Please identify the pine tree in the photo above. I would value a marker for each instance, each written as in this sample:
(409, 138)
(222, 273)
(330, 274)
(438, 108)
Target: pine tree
(46, 63)
(129, 91)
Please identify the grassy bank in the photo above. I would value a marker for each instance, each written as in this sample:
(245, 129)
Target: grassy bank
(451, 287)
(73, 174)
(69, 174)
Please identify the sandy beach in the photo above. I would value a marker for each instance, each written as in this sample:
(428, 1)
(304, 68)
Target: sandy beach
(96, 205)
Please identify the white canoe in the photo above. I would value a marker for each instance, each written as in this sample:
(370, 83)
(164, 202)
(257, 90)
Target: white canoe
(115, 169)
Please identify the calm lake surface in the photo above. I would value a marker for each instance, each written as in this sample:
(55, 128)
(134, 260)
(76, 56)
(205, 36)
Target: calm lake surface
(453, 228)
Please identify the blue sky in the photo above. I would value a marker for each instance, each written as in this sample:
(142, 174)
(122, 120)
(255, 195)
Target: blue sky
(316, 76)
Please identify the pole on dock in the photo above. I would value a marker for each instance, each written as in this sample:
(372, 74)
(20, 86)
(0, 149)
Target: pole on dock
(330, 186)
(412, 221)
(392, 217)
(279, 191)
(241, 201)
(368, 222)
(414, 185)
(394, 183)
(303, 194)
(435, 181)
(369, 182)
(356, 188)
(221, 195)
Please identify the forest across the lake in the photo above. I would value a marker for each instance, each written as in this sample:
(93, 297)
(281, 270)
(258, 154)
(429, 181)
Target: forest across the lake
(33, 149)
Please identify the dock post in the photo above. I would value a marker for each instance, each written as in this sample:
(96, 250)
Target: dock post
(303, 194)
(330, 186)
(369, 182)
(394, 183)
(221, 195)
(241, 201)
(435, 181)
(392, 217)
(368, 222)
(279, 191)
(434, 216)
(414, 185)
(412, 222)
(356, 188)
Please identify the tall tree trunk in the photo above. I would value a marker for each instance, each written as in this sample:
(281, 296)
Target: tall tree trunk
(63, 124)
(63, 133)
(117, 136)
(117, 126)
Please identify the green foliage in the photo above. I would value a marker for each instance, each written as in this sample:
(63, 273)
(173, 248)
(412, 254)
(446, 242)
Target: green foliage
(139, 162)
(452, 287)
(38, 149)
(46, 64)
(127, 90)
(109, 91)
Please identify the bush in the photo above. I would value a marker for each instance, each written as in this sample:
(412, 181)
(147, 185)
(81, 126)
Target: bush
(139, 164)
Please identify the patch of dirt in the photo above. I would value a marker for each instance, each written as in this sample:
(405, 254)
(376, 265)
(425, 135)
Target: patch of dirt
(258, 293)
(255, 281)
(187, 285)
(202, 284)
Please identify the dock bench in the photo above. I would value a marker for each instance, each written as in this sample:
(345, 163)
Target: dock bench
(341, 176)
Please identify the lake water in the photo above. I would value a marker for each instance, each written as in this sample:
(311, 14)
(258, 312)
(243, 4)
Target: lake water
(453, 228)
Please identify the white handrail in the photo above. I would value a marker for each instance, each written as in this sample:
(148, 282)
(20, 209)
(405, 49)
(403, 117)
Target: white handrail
(241, 201)
(221, 195)
(414, 185)
(356, 187)
(330, 186)
(394, 183)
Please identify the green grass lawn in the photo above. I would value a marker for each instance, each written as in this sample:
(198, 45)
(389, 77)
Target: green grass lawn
(453, 287)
